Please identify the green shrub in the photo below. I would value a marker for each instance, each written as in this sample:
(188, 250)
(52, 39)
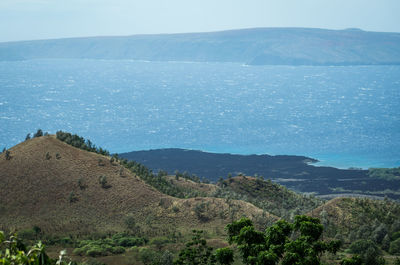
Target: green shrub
(356, 260)
(103, 182)
(148, 256)
(361, 246)
(127, 241)
(395, 235)
(117, 250)
(27, 234)
(72, 197)
(96, 251)
(224, 256)
(395, 247)
(79, 251)
(159, 242)
(106, 246)
(7, 155)
(81, 183)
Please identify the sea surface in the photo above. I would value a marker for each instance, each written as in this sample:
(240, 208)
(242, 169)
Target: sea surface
(343, 116)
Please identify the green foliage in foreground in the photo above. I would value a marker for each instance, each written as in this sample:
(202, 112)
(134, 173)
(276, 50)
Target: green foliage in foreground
(368, 251)
(14, 252)
(284, 243)
(197, 252)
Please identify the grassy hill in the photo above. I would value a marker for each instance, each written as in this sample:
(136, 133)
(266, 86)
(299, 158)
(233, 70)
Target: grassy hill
(89, 202)
(52, 185)
(269, 196)
(352, 219)
(258, 46)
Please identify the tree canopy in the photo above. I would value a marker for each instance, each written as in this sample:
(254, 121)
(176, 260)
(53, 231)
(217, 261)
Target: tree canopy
(288, 243)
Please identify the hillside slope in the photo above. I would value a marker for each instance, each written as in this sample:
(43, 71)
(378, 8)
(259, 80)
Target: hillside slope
(359, 218)
(52, 185)
(269, 196)
(258, 46)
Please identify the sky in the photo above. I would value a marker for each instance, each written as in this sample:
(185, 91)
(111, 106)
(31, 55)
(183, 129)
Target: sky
(45, 19)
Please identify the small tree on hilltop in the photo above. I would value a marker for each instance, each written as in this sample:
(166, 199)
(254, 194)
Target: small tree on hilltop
(7, 155)
(28, 136)
(39, 133)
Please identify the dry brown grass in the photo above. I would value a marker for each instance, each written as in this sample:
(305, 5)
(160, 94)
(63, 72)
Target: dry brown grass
(35, 190)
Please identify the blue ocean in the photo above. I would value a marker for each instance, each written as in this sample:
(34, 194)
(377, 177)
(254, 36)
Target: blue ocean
(343, 116)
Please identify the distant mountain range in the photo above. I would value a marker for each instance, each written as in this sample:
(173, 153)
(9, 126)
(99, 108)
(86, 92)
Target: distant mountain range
(258, 46)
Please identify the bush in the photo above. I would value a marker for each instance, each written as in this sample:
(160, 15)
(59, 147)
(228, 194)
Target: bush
(28, 234)
(72, 197)
(127, 241)
(103, 247)
(356, 260)
(81, 183)
(368, 251)
(79, 251)
(275, 243)
(7, 155)
(395, 235)
(159, 242)
(224, 256)
(130, 222)
(103, 182)
(148, 256)
(117, 250)
(395, 247)
(96, 251)
(362, 245)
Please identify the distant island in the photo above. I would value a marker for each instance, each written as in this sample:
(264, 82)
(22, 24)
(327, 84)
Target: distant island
(257, 46)
(294, 172)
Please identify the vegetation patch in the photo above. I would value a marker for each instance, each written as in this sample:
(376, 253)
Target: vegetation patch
(385, 173)
(80, 142)
(108, 246)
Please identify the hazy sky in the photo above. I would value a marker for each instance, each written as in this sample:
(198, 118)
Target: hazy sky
(43, 19)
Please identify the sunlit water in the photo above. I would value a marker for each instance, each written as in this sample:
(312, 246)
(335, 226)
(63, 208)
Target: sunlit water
(343, 116)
